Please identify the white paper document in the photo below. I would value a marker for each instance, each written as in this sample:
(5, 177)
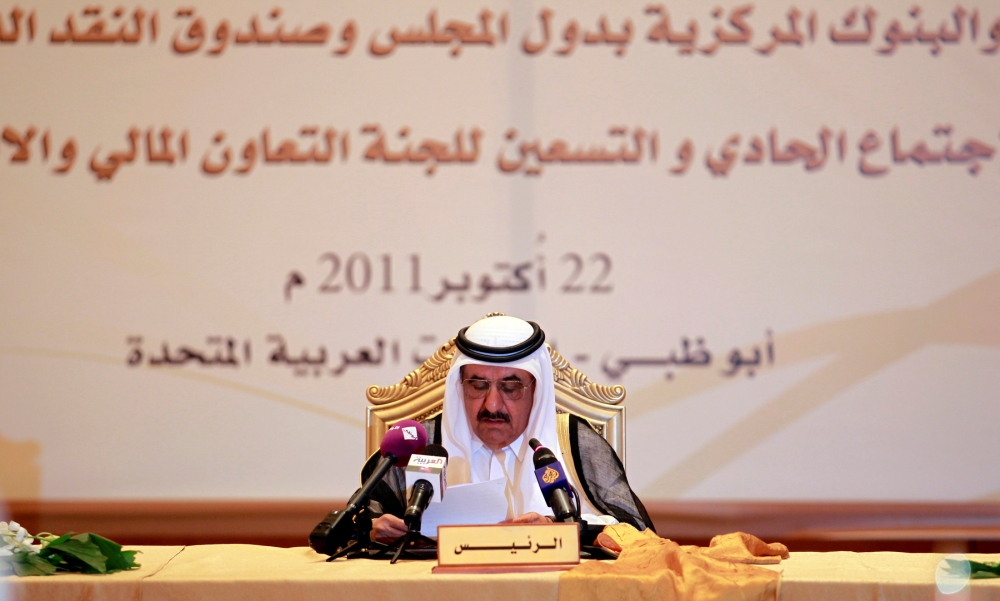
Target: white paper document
(480, 503)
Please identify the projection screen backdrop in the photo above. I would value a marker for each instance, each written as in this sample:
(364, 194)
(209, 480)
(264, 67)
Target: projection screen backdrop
(776, 224)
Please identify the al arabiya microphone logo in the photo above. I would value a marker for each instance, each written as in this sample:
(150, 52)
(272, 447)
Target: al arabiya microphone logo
(409, 433)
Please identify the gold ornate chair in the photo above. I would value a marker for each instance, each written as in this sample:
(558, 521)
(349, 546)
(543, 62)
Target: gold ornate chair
(420, 396)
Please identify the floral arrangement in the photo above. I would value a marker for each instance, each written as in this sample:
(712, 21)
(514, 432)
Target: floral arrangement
(44, 554)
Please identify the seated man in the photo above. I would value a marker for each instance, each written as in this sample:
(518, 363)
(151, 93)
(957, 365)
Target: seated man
(499, 394)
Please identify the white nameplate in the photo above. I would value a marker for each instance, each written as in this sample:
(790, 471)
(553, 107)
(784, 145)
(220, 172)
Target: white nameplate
(509, 545)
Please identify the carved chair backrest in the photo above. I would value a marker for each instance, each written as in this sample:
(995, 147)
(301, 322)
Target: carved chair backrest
(420, 396)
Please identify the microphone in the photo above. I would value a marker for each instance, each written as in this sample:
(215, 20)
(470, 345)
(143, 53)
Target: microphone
(403, 439)
(425, 477)
(552, 480)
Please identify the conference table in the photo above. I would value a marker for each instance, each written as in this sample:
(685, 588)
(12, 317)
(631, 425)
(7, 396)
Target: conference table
(251, 573)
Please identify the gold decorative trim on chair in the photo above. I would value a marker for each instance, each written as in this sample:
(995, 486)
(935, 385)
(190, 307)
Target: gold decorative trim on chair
(420, 396)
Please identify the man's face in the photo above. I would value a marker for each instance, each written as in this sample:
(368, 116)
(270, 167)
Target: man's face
(497, 419)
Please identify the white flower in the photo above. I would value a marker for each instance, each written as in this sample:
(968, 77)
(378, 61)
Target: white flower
(16, 538)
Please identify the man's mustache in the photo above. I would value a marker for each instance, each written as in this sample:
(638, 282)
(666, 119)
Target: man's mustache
(484, 414)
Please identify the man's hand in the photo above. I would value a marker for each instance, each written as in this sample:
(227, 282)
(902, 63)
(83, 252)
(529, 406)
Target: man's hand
(387, 528)
(529, 518)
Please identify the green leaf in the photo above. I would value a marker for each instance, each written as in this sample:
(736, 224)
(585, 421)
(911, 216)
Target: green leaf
(29, 564)
(992, 567)
(45, 550)
(129, 557)
(117, 560)
(983, 575)
(81, 549)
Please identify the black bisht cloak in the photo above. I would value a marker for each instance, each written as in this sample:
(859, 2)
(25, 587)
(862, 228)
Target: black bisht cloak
(598, 469)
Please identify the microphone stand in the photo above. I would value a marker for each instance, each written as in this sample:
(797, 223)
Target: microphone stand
(357, 507)
(359, 547)
(401, 544)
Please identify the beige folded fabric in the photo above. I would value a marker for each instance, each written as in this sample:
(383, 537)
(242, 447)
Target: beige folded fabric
(652, 568)
(616, 536)
(741, 547)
